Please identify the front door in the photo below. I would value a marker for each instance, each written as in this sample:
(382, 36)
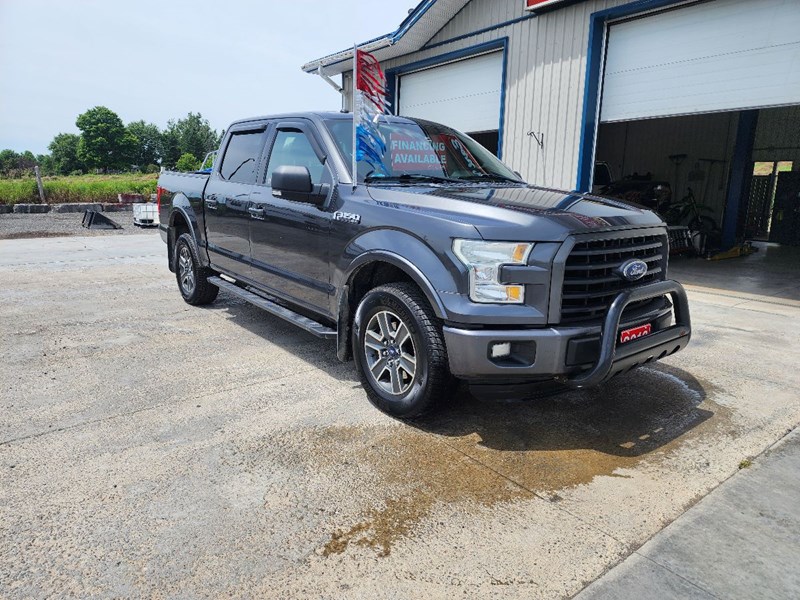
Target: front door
(227, 200)
(289, 240)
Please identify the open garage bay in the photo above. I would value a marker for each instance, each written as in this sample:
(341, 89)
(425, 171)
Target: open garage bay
(149, 448)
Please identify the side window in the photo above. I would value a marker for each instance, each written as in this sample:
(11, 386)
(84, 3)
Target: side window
(292, 148)
(241, 157)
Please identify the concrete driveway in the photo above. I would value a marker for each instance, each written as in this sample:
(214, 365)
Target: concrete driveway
(149, 448)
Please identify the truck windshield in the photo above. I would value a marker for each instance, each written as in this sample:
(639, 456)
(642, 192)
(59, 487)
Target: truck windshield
(421, 152)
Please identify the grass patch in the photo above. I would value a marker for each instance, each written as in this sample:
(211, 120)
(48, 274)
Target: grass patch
(81, 188)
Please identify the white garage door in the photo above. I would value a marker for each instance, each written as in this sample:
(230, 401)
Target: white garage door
(463, 94)
(720, 55)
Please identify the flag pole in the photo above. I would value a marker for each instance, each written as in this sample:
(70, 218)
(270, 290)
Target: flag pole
(355, 114)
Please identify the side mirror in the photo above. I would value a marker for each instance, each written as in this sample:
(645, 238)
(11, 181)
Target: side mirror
(294, 183)
(292, 179)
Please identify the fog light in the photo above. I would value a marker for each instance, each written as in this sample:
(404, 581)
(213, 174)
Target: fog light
(501, 349)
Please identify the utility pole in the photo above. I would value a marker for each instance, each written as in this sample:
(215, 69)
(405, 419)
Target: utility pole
(39, 184)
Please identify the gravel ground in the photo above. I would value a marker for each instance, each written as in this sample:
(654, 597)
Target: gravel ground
(153, 449)
(22, 226)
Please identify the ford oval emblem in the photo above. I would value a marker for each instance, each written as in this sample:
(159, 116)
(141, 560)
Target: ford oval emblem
(633, 269)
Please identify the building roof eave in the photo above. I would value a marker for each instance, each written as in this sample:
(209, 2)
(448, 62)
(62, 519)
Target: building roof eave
(415, 31)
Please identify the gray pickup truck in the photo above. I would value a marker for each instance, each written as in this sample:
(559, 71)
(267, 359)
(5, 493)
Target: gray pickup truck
(433, 261)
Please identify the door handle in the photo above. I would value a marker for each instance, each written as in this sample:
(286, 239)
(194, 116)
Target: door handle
(256, 213)
(212, 203)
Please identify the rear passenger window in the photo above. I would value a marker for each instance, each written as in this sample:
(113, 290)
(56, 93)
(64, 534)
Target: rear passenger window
(241, 157)
(292, 148)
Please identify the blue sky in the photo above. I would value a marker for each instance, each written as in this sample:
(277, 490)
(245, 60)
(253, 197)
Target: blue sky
(156, 60)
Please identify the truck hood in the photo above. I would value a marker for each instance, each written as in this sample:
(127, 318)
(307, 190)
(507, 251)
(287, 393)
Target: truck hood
(517, 212)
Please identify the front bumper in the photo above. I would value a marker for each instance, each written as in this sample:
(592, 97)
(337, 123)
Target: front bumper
(577, 356)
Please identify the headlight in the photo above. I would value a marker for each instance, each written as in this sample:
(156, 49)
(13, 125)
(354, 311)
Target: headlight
(484, 260)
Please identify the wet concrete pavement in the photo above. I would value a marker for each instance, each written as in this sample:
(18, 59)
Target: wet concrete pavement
(152, 448)
(740, 541)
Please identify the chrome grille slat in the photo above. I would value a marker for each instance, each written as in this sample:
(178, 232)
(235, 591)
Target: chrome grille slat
(610, 250)
(611, 264)
(596, 280)
(605, 292)
(590, 284)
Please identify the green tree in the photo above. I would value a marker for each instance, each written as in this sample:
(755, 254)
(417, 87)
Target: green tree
(104, 143)
(16, 164)
(26, 160)
(147, 149)
(46, 164)
(64, 151)
(192, 135)
(8, 161)
(187, 162)
(170, 149)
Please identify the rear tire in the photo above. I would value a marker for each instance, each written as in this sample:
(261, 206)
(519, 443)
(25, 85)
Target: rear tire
(399, 351)
(192, 277)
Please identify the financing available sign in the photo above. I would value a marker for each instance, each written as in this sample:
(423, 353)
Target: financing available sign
(409, 154)
(441, 153)
(537, 4)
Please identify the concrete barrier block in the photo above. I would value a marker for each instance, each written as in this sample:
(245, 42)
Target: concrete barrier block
(76, 207)
(6, 208)
(31, 208)
(129, 198)
(113, 207)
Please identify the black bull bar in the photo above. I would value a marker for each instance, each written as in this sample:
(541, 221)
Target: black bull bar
(653, 346)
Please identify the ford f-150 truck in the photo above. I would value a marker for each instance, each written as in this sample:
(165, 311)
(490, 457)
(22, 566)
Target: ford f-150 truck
(432, 261)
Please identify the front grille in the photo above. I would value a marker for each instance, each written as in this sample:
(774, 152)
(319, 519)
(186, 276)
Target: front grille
(590, 283)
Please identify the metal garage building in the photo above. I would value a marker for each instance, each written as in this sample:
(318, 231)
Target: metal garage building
(695, 95)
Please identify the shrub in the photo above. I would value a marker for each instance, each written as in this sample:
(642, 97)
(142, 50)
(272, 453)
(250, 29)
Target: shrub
(84, 188)
(17, 190)
(187, 162)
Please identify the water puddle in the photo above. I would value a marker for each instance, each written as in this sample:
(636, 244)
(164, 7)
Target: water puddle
(477, 454)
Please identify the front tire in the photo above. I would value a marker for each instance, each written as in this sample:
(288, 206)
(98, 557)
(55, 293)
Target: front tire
(399, 351)
(191, 275)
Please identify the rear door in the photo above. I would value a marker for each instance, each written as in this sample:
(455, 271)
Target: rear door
(227, 199)
(289, 240)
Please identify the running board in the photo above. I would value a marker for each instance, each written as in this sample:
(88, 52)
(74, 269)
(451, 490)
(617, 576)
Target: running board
(311, 326)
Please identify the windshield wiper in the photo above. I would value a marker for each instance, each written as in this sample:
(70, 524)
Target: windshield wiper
(491, 177)
(410, 178)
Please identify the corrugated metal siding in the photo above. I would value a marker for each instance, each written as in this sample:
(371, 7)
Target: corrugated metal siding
(546, 83)
(478, 15)
(544, 79)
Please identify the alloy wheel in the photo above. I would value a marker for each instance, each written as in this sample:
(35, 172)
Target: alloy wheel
(390, 352)
(186, 270)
